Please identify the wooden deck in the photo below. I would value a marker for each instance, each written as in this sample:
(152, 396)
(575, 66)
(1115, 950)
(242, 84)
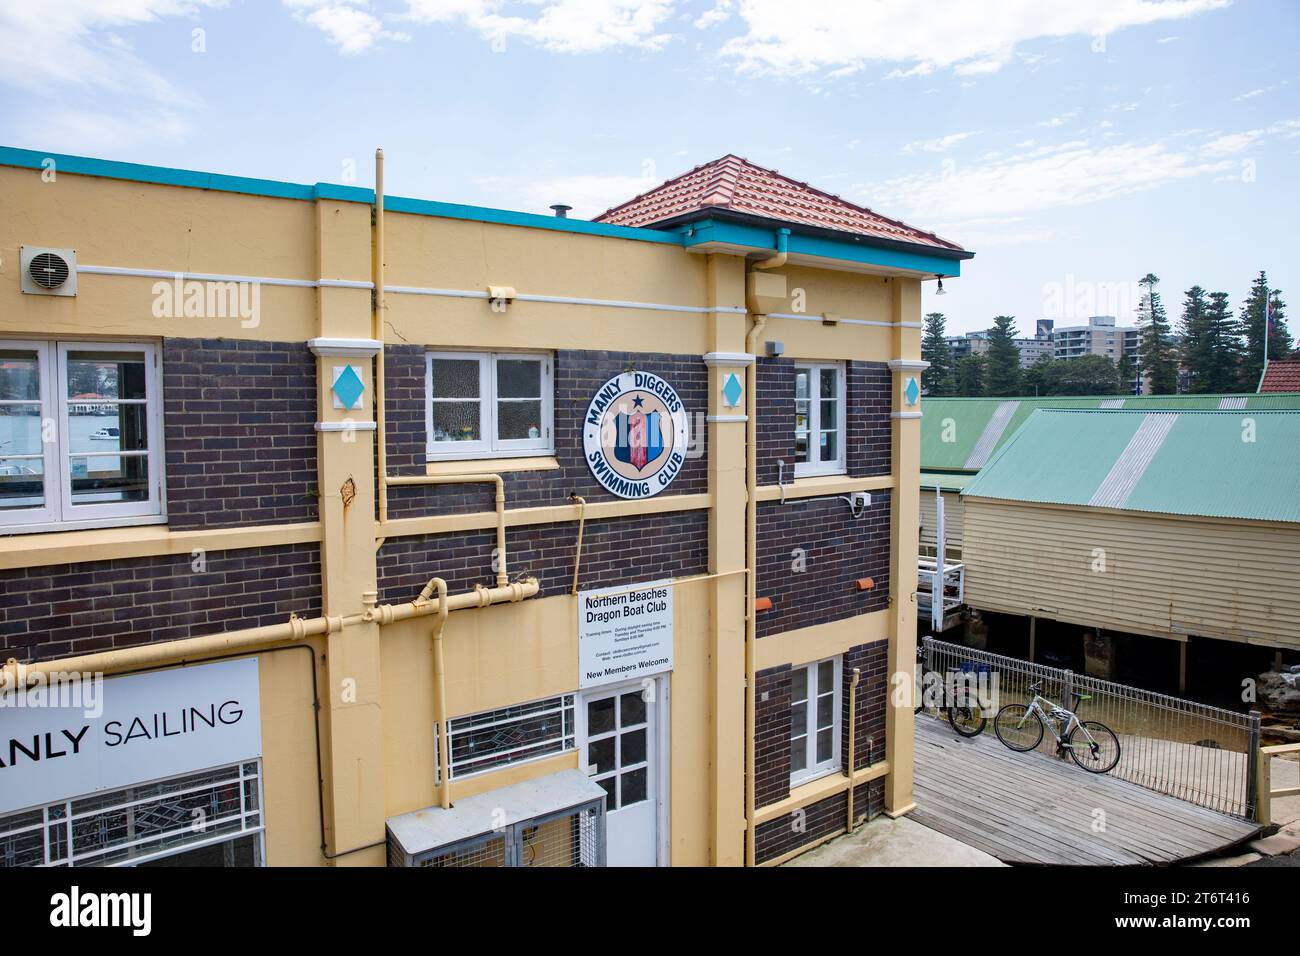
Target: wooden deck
(1032, 808)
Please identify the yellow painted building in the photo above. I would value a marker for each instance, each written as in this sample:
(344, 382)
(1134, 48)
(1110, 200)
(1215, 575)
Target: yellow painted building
(406, 532)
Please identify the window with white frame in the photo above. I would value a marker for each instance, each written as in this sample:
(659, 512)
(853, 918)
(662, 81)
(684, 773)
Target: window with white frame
(80, 434)
(819, 418)
(814, 720)
(497, 738)
(482, 404)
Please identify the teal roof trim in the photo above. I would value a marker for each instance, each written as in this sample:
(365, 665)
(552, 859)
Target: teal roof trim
(857, 250)
(165, 176)
(1216, 464)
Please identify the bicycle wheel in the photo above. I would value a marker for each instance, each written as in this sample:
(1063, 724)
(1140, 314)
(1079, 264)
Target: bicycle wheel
(1018, 727)
(967, 718)
(1098, 755)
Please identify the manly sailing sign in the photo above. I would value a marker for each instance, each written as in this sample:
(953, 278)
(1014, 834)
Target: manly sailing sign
(635, 435)
(146, 727)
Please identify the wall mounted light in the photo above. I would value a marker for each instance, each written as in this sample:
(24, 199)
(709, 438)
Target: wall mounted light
(939, 291)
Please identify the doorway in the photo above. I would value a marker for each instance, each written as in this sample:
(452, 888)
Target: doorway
(623, 734)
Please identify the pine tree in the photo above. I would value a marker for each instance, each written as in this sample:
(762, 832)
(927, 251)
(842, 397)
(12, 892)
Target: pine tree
(1002, 362)
(1221, 347)
(938, 378)
(1193, 348)
(1252, 322)
(970, 376)
(1159, 361)
(1128, 371)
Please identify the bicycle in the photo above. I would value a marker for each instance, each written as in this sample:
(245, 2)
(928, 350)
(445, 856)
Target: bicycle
(1020, 728)
(964, 714)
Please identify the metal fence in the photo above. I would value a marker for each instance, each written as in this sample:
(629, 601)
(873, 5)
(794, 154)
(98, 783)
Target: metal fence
(1200, 754)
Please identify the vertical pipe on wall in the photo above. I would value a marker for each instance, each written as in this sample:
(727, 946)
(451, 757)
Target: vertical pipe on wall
(440, 688)
(853, 737)
(377, 333)
(751, 577)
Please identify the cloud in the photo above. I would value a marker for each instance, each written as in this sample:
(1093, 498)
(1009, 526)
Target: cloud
(940, 145)
(559, 26)
(1051, 177)
(1061, 120)
(349, 27)
(75, 43)
(719, 13)
(813, 35)
(588, 195)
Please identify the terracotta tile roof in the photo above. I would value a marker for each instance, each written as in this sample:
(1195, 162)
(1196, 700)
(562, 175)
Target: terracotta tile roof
(1283, 376)
(735, 184)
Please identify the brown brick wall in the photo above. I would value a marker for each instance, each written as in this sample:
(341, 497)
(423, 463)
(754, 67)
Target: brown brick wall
(772, 750)
(772, 735)
(873, 697)
(577, 375)
(239, 423)
(869, 450)
(615, 551)
(66, 609)
(869, 440)
(837, 550)
(810, 823)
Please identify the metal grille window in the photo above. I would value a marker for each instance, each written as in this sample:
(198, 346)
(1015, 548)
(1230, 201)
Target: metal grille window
(814, 720)
(139, 824)
(80, 435)
(510, 735)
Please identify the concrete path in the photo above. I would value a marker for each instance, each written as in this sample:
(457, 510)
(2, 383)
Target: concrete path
(901, 842)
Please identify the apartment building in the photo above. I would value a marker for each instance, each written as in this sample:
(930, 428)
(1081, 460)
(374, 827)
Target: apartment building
(425, 534)
(1099, 337)
(977, 343)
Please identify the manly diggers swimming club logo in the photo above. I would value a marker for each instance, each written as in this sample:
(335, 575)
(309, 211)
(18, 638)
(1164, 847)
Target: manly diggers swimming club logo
(635, 435)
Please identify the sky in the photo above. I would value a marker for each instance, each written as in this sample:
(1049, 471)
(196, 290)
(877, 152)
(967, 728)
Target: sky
(1073, 146)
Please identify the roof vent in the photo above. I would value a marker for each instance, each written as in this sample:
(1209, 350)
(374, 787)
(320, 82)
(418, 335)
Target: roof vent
(561, 210)
(48, 271)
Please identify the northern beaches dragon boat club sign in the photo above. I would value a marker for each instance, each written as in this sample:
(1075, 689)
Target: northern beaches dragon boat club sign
(635, 435)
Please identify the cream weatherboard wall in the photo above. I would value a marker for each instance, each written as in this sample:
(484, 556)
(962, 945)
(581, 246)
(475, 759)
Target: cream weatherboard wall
(1163, 575)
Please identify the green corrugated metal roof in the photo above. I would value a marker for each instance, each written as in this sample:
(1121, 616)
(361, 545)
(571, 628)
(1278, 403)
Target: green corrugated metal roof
(946, 482)
(952, 427)
(1187, 462)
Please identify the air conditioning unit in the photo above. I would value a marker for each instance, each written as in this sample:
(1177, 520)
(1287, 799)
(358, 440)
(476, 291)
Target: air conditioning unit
(552, 821)
(48, 271)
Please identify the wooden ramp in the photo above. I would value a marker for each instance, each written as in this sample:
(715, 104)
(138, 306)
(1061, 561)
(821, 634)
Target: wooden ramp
(1033, 808)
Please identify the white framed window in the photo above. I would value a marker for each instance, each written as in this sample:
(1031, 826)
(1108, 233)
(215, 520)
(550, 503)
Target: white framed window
(814, 720)
(488, 404)
(80, 434)
(819, 418)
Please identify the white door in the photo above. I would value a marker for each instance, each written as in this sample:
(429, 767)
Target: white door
(620, 750)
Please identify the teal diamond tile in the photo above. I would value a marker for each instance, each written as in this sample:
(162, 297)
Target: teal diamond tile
(913, 391)
(732, 390)
(348, 387)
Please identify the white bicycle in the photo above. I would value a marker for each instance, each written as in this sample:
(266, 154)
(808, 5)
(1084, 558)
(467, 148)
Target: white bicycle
(1090, 743)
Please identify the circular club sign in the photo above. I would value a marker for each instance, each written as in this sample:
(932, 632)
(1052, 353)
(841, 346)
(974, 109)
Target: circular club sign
(635, 435)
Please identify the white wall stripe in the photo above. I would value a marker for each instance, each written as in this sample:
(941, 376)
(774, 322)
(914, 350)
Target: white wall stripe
(402, 289)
